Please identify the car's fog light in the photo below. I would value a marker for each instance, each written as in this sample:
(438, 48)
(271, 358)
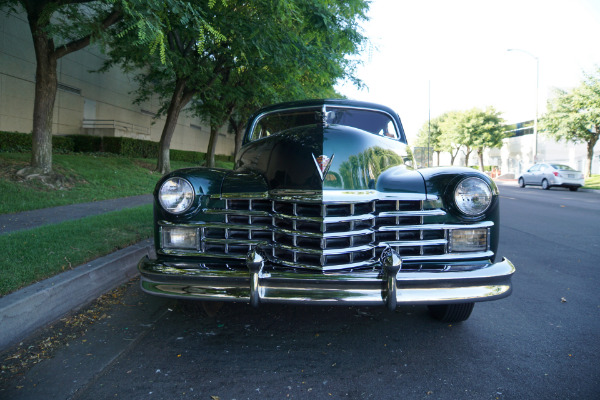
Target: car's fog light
(461, 240)
(179, 238)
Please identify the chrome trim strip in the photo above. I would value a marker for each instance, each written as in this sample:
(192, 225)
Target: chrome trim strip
(327, 268)
(242, 196)
(413, 243)
(422, 213)
(326, 252)
(254, 242)
(250, 213)
(327, 220)
(325, 235)
(451, 257)
(431, 227)
(358, 196)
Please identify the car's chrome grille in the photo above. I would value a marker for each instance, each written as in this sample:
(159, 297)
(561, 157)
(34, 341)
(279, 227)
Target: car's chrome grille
(321, 235)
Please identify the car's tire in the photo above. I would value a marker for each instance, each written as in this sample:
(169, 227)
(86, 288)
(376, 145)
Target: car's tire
(521, 182)
(545, 184)
(457, 312)
(573, 189)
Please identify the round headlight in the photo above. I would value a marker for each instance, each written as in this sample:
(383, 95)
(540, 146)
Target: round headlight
(472, 196)
(176, 195)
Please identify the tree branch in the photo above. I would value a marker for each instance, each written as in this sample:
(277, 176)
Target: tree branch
(79, 44)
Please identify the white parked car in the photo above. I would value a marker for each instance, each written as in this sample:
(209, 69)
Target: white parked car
(547, 175)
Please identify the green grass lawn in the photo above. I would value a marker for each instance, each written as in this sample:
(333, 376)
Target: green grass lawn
(593, 182)
(89, 178)
(35, 254)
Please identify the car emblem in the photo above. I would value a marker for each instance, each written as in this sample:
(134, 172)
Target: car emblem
(323, 163)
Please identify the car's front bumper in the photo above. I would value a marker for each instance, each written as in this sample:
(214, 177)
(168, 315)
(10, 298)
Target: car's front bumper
(481, 281)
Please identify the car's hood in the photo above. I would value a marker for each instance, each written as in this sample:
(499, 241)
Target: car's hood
(328, 158)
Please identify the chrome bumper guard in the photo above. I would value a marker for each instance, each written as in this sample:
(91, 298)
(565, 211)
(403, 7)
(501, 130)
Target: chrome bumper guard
(391, 286)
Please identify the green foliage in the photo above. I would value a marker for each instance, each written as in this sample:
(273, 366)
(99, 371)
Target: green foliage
(20, 142)
(126, 147)
(430, 136)
(575, 116)
(251, 54)
(473, 130)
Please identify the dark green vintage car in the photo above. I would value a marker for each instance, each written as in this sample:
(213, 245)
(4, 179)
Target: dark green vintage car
(324, 207)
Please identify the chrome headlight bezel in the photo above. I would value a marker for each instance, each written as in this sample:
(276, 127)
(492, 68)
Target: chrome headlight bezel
(176, 195)
(473, 196)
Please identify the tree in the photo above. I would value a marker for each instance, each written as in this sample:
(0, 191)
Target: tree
(61, 27)
(450, 139)
(255, 54)
(287, 61)
(575, 116)
(430, 136)
(489, 128)
(472, 130)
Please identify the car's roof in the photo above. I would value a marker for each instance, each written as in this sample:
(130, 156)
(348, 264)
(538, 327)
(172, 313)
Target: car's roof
(321, 102)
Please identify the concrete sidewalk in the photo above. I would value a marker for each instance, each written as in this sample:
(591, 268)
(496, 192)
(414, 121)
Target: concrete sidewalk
(55, 215)
(33, 307)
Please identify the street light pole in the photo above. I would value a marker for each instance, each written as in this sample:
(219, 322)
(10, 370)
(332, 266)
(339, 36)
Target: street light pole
(537, 94)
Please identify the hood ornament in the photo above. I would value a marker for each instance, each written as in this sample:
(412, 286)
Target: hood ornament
(323, 163)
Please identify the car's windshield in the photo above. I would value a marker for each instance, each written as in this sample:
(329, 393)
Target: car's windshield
(372, 121)
(562, 167)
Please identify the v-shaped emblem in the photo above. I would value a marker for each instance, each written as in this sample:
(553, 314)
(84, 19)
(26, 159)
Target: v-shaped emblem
(323, 163)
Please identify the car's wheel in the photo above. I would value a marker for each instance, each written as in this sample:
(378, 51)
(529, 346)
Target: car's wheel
(521, 182)
(545, 184)
(451, 312)
(573, 189)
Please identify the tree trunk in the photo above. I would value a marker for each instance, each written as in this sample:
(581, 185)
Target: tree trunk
(212, 146)
(238, 127)
(438, 158)
(180, 98)
(46, 83)
(453, 156)
(467, 155)
(590, 154)
(480, 155)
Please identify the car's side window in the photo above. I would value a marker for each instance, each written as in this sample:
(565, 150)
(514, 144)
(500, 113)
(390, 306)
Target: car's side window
(534, 168)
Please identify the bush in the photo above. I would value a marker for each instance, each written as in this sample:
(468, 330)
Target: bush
(126, 147)
(187, 156)
(21, 143)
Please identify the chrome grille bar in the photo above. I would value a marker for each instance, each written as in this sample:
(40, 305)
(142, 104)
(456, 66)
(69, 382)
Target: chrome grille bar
(324, 232)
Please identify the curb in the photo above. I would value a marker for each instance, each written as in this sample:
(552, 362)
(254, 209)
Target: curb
(25, 311)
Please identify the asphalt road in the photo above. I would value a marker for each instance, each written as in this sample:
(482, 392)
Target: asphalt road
(542, 342)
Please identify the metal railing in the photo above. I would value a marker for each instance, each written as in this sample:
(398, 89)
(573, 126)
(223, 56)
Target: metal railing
(111, 123)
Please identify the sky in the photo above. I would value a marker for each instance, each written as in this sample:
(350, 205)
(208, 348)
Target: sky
(427, 57)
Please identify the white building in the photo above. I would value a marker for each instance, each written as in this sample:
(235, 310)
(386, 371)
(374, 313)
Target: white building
(86, 102)
(517, 154)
